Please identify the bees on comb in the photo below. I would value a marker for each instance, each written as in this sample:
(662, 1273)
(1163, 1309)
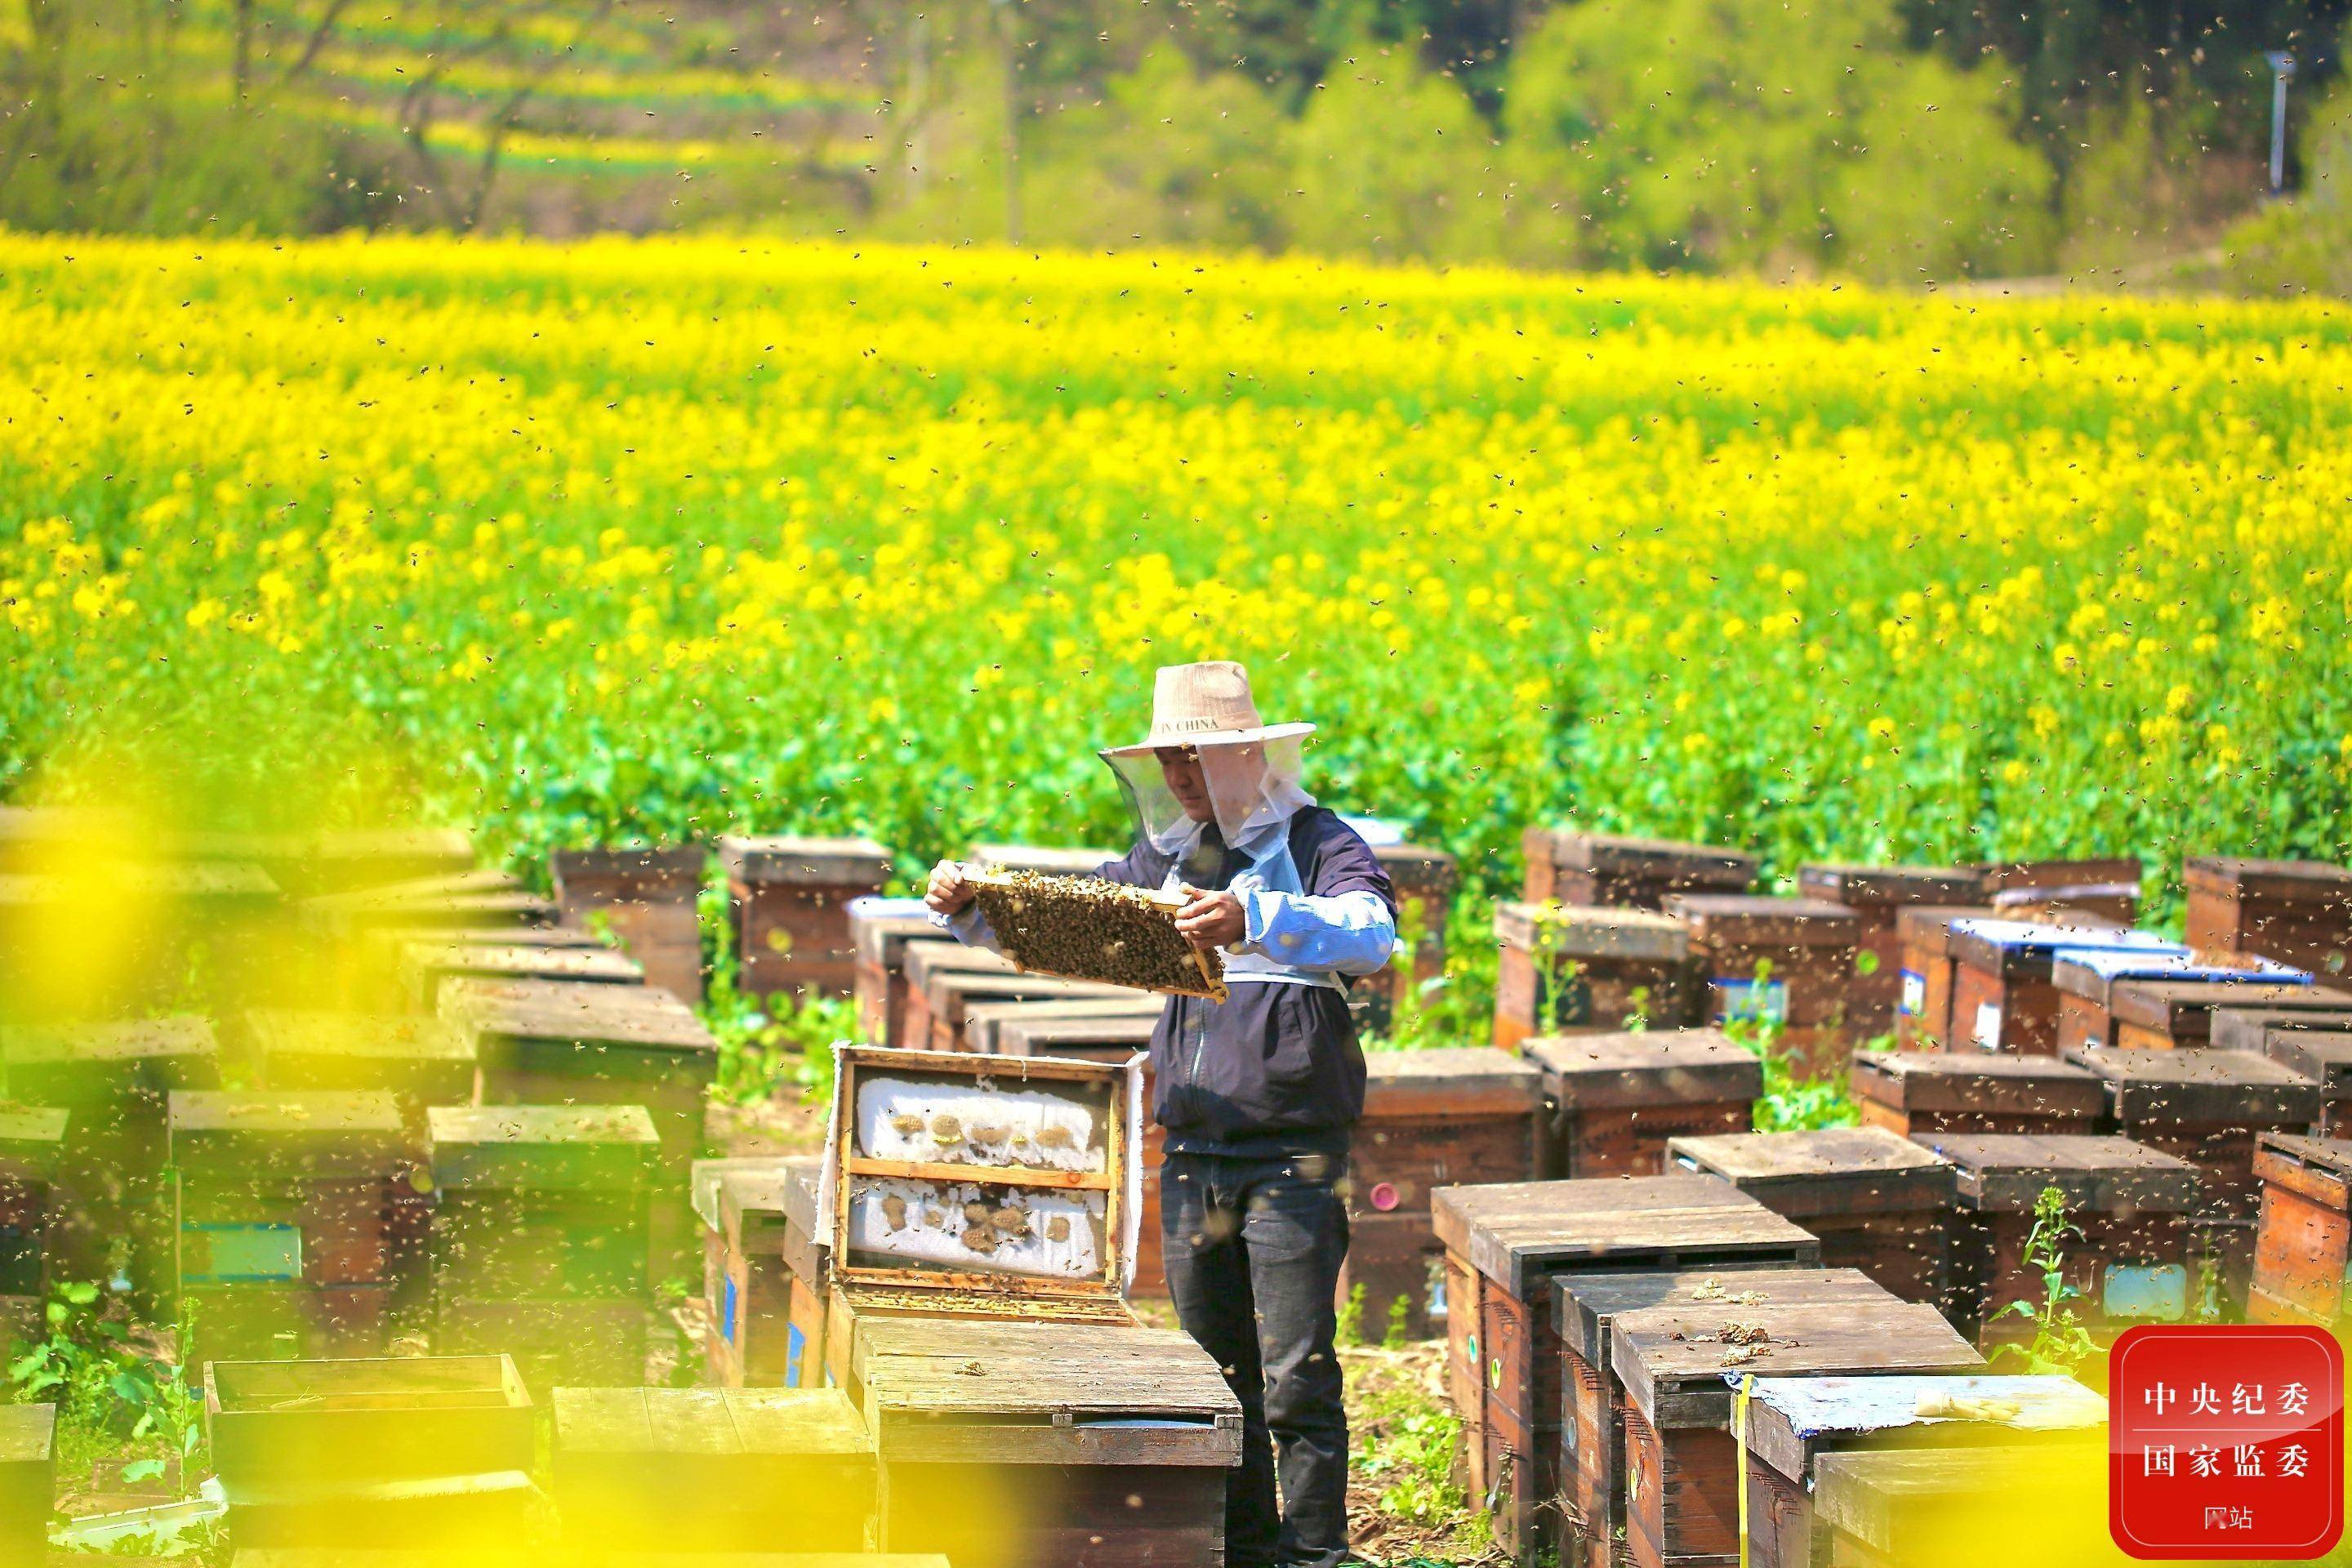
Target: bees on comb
(1084, 928)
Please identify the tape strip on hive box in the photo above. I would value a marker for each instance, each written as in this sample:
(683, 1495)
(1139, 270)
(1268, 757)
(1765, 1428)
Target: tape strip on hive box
(1082, 928)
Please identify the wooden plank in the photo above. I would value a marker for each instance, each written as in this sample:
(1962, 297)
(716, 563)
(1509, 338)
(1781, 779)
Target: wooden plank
(1792, 1421)
(1865, 885)
(1575, 932)
(791, 859)
(2028, 950)
(1836, 1171)
(1962, 1508)
(1465, 1080)
(312, 1133)
(2092, 973)
(1659, 859)
(2236, 1087)
(1049, 1029)
(541, 1147)
(1041, 858)
(564, 1011)
(1515, 1233)
(2006, 1171)
(1585, 1307)
(2278, 881)
(1674, 1362)
(1978, 1081)
(1651, 1066)
(1755, 920)
(2184, 1009)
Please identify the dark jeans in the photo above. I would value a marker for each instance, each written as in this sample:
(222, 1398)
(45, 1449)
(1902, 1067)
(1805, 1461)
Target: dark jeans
(1253, 1249)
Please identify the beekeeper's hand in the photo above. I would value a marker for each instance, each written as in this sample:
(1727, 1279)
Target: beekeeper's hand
(1211, 919)
(948, 892)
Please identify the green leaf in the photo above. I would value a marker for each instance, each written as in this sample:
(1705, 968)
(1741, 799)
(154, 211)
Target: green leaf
(143, 1470)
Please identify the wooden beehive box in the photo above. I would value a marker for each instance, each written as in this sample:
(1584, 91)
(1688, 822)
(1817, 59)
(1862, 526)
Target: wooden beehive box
(2130, 1204)
(2296, 912)
(32, 1140)
(1612, 1101)
(1047, 1029)
(418, 1059)
(539, 1244)
(1683, 1474)
(1876, 1201)
(113, 1207)
(425, 964)
(27, 1481)
(1810, 946)
(712, 1469)
(1567, 969)
(2065, 891)
(1913, 1093)
(1962, 1508)
(1045, 860)
(1923, 937)
(1504, 1244)
(932, 1217)
(1099, 1446)
(1584, 1309)
(2086, 981)
(460, 899)
(1450, 1116)
(720, 1365)
(336, 860)
(1424, 880)
(2302, 1248)
(2168, 1015)
(770, 1309)
(1877, 895)
(649, 899)
(880, 932)
(1794, 1422)
(420, 1453)
(2321, 1055)
(1039, 1024)
(2207, 1106)
(1568, 866)
(2004, 997)
(943, 986)
(790, 898)
(283, 1220)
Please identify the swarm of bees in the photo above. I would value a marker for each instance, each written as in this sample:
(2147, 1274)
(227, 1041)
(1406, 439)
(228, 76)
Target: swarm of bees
(1083, 927)
(986, 1225)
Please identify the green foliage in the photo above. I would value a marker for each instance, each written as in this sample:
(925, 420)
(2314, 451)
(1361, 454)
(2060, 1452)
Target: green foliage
(767, 1044)
(2060, 1342)
(1392, 162)
(1793, 1101)
(1406, 1441)
(108, 1390)
(1399, 1328)
(2306, 244)
(1351, 1331)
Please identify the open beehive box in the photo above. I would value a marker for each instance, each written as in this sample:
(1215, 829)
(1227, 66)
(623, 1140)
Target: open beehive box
(1084, 928)
(983, 1184)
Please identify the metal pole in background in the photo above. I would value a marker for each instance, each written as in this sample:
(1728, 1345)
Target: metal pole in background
(2281, 70)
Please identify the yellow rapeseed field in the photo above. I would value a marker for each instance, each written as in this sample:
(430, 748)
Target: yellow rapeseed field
(651, 538)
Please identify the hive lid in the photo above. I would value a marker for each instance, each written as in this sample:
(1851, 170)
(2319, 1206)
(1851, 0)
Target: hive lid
(1577, 931)
(1760, 919)
(882, 933)
(541, 1147)
(1878, 886)
(2185, 1008)
(1793, 1420)
(1649, 1066)
(1838, 1170)
(921, 961)
(765, 1195)
(2230, 1087)
(2331, 1157)
(1082, 1024)
(519, 960)
(1680, 1378)
(2323, 1056)
(2282, 881)
(1474, 1080)
(2248, 1028)
(817, 862)
(1929, 926)
(704, 1176)
(1660, 858)
(2001, 876)
(389, 1037)
(2005, 1172)
(670, 869)
(1515, 1233)
(1586, 1307)
(28, 1432)
(268, 1134)
(2025, 950)
(565, 1011)
(714, 1426)
(110, 1047)
(1978, 1081)
(31, 1139)
(2091, 974)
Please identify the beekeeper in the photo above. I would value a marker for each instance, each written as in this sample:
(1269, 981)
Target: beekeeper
(1259, 1093)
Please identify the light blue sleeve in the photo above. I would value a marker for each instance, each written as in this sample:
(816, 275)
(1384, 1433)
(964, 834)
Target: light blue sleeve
(968, 926)
(1352, 932)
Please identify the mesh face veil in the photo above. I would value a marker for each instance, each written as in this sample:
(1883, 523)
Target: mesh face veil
(1252, 786)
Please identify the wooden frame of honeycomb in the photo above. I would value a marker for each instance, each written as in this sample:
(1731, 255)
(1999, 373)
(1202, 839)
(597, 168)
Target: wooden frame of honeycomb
(1083, 927)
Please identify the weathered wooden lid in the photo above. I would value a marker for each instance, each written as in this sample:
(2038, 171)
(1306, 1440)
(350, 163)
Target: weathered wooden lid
(318, 1134)
(2277, 881)
(1758, 919)
(1793, 1420)
(673, 872)
(1470, 1080)
(1651, 1066)
(1876, 886)
(1049, 861)
(945, 989)
(1938, 1507)
(386, 1037)
(110, 1050)
(704, 1176)
(1929, 926)
(2323, 1056)
(2239, 1028)
(642, 1017)
(542, 1147)
(1678, 1377)
(1052, 1028)
(1978, 1081)
(1039, 1374)
(26, 1434)
(1585, 1306)
(2330, 1156)
(2005, 1172)
(1664, 859)
(750, 1196)
(1576, 931)
(2025, 950)
(2092, 973)
(1417, 870)
(2234, 1088)
(1515, 1232)
(2000, 876)
(1839, 1169)
(882, 929)
(520, 961)
(2185, 1008)
(721, 1427)
(923, 960)
(818, 862)
(31, 1139)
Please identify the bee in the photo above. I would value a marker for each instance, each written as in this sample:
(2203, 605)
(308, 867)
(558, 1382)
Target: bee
(946, 1129)
(894, 1209)
(906, 1122)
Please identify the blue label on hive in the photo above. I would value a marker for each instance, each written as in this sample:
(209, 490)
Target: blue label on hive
(240, 1253)
(727, 1311)
(1752, 1001)
(2157, 1290)
(794, 1341)
(1914, 999)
